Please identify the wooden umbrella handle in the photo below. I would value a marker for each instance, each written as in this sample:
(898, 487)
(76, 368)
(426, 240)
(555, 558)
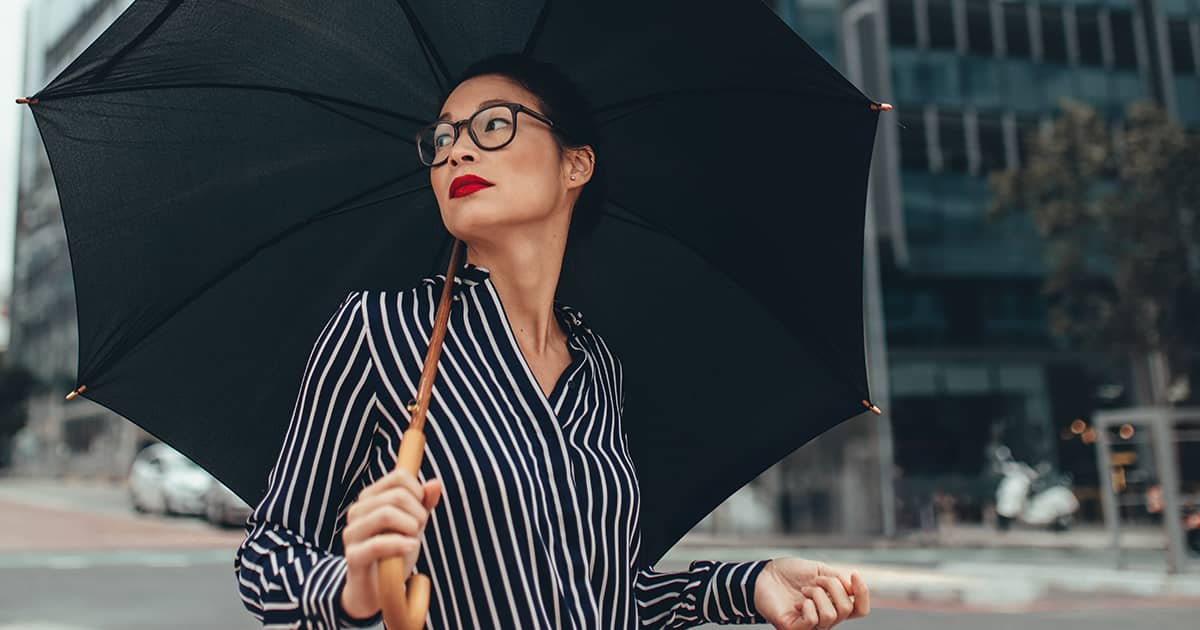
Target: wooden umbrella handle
(405, 606)
(405, 599)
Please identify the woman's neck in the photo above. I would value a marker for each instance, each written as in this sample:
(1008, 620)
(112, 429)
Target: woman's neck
(525, 274)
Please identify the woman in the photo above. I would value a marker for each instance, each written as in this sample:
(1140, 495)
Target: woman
(538, 525)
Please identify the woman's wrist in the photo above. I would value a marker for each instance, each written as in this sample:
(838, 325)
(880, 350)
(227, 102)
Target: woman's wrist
(353, 611)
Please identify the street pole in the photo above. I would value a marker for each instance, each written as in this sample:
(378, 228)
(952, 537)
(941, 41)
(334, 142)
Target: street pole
(867, 66)
(877, 373)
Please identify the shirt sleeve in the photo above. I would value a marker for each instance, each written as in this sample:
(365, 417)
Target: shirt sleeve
(290, 569)
(707, 592)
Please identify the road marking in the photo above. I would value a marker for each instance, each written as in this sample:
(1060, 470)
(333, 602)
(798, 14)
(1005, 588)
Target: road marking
(40, 625)
(67, 562)
(85, 560)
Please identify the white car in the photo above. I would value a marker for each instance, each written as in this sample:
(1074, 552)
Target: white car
(162, 480)
(223, 507)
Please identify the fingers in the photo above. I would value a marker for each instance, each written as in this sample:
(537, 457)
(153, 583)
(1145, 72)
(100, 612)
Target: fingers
(824, 570)
(826, 614)
(837, 595)
(433, 492)
(397, 497)
(390, 489)
(808, 613)
(396, 478)
(409, 519)
(862, 596)
(363, 554)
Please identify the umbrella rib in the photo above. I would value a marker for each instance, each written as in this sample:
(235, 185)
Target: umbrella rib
(149, 30)
(836, 357)
(369, 125)
(639, 107)
(650, 99)
(432, 58)
(537, 28)
(263, 88)
(340, 210)
(631, 218)
(326, 213)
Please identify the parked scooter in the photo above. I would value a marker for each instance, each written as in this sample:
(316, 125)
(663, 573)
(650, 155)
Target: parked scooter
(1033, 497)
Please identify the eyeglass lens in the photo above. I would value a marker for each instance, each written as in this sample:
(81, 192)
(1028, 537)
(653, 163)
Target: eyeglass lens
(492, 128)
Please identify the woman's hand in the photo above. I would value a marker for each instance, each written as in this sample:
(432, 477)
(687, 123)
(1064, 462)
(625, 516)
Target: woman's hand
(798, 594)
(387, 520)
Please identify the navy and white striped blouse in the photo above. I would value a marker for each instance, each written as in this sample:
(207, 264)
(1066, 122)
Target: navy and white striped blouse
(538, 523)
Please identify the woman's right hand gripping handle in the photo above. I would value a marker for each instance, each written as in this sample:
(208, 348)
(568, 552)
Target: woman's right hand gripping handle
(388, 519)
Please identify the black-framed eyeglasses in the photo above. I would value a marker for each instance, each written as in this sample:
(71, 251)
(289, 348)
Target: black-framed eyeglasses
(491, 128)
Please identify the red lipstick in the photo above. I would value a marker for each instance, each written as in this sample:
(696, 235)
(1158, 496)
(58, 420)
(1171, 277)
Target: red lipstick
(466, 184)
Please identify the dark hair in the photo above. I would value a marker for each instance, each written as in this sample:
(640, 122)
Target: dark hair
(561, 100)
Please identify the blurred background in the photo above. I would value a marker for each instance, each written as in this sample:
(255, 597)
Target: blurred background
(1032, 286)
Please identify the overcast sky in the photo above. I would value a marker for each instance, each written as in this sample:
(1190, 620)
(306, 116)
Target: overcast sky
(12, 44)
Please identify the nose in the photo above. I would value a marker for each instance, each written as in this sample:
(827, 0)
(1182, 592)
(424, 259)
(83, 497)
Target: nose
(463, 148)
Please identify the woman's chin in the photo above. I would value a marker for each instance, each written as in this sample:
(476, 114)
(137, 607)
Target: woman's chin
(481, 218)
(475, 229)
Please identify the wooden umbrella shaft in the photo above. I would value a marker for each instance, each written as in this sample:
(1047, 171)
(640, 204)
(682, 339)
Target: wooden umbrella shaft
(405, 605)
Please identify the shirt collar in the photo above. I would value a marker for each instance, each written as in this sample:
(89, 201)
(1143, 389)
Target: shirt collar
(471, 274)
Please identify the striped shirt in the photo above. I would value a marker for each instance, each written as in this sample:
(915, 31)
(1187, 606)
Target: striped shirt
(538, 523)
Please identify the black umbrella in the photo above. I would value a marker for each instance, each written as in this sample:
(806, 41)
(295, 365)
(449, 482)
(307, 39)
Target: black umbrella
(228, 171)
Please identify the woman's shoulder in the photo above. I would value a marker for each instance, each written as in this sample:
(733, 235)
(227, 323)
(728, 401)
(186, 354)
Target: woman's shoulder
(583, 330)
(397, 304)
(416, 290)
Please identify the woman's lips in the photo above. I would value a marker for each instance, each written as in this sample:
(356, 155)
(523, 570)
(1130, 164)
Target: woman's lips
(467, 189)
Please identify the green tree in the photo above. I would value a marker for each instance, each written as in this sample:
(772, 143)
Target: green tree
(1120, 217)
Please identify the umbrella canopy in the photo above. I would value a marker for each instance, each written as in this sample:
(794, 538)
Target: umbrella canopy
(227, 171)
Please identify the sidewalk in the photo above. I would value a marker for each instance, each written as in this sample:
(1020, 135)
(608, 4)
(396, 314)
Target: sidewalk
(1088, 537)
(39, 516)
(962, 568)
(1021, 571)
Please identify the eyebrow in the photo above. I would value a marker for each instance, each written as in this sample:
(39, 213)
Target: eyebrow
(490, 101)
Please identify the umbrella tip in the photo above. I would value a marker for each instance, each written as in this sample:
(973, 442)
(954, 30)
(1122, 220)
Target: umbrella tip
(77, 392)
(873, 408)
(881, 106)
(27, 101)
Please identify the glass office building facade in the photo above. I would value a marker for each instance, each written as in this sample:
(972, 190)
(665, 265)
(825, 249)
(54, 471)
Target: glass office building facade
(970, 358)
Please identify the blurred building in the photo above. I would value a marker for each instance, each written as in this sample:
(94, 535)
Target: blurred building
(76, 437)
(962, 331)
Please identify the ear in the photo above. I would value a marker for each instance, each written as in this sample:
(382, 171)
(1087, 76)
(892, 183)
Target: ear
(580, 164)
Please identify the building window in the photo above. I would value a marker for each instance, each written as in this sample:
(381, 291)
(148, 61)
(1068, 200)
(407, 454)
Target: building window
(1054, 34)
(1016, 30)
(1124, 51)
(991, 143)
(1182, 59)
(952, 139)
(1087, 25)
(913, 153)
(941, 25)
(902, 23)
(786, 10)
(979, 28)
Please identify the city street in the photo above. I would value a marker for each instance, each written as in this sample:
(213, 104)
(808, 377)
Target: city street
(75, 557)
(198, 593)
(944, 336)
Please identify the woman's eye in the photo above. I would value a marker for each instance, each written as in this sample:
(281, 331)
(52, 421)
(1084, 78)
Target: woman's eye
(438, 140)
(488, 126)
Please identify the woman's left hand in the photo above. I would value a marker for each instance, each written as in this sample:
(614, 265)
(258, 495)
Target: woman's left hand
(799, 594)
